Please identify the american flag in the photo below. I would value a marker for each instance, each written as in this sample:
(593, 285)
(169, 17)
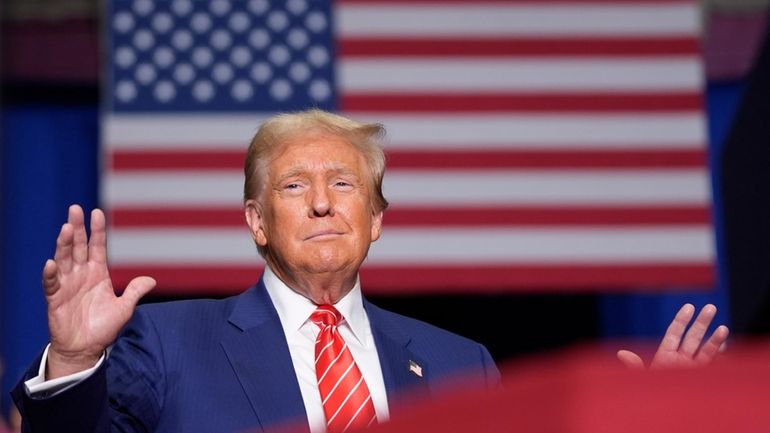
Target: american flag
(556, 145)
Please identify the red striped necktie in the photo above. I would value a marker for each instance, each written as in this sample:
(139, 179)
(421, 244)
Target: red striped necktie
(346, 399)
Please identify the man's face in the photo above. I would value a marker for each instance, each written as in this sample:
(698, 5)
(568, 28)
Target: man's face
(315, 213)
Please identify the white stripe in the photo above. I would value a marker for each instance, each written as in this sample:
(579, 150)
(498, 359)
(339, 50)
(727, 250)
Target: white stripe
(350, 394)
(334, 361)
(440, 131)
(374, 418)
(426, 188)
(137, 188)
(183, 131)
(467, 75)
(403, 245)
(576, 131)
(345, 373)
(322, 350)
(517, 19)
(355, 415)
(543, 245)
(177, 246)
(436, 187)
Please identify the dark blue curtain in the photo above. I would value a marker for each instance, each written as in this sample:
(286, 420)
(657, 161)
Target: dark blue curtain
(50, 160)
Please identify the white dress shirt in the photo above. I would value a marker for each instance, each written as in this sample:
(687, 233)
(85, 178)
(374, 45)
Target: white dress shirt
(294, 311)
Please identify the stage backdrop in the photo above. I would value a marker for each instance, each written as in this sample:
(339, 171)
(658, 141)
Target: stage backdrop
(532, 145)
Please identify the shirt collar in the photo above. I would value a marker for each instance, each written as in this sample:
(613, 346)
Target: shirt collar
(294, 309)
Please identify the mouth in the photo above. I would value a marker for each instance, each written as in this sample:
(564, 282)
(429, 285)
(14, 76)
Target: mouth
(323, 235)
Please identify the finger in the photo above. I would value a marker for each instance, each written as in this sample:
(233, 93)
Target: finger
(50, 279)
(675, 331)
(97, 245)
(137, 288)
(714, 345)
(630, 359)
(723, 347)
(80, 239)
(63, 255)
(694, 337)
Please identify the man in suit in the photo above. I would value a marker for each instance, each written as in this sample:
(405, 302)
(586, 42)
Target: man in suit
(301, 346)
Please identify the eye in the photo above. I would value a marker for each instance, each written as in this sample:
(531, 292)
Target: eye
(343, 185)
(293, 187)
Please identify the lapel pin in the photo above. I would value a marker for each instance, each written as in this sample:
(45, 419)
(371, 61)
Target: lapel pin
(415, 368)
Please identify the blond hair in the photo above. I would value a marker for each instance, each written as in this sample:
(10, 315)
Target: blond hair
(279, 130)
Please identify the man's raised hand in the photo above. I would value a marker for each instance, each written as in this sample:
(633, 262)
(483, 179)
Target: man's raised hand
(683, 347)
(84, 314)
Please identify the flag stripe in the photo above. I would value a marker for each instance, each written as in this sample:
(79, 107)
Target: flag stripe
(438, 187)
(548, 3)
(594, 159)
(181, 159)
(446, 131)
(518, 46)
(517, 18)
(505, 130)
(441, 279)
(195, 160)
(438, 217)
(530, 277)
(461, 75)
(518, 102)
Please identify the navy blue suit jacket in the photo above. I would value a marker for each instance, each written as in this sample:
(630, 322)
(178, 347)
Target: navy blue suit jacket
(224, 366)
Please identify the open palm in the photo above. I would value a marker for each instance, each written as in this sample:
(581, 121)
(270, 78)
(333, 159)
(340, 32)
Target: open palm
(84, 313)
(683, 347)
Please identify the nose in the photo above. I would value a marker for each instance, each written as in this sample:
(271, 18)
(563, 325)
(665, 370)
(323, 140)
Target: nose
(321, 202)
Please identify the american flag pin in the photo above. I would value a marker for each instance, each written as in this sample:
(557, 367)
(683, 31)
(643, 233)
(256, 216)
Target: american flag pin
(415, 368)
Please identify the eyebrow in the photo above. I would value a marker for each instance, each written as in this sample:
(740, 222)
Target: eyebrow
(301, 169)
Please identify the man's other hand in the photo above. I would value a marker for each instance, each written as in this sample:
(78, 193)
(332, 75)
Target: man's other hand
(683, 347)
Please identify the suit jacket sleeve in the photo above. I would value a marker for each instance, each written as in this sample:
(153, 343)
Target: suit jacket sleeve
(125, 394)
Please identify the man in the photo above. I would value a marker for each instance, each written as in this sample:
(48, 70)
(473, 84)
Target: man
(302, 344)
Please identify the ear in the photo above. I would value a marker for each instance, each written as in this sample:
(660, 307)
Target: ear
(376, 225)
(254, 219)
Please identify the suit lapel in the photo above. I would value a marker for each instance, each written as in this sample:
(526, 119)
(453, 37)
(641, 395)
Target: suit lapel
(257, 350)
(402, 371)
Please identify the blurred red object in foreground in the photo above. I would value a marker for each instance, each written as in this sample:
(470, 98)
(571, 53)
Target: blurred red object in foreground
(586, 390)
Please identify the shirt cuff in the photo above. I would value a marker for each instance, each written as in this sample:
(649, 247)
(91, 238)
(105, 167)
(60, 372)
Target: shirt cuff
(38, 387)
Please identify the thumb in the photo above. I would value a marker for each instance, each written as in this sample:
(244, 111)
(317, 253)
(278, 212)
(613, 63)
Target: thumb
(137, 288)
(630, 359)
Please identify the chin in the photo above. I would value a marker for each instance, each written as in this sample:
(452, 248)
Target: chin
(331, 265)
(327, 267)
(329, 258)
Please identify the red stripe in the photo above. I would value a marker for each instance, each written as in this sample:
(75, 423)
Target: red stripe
(518, 46)
(440, 159)
(439, 217)
(517, 102)
(178, 160)
(558, 159)
(177, 280)
(546, 216)
(177, 217)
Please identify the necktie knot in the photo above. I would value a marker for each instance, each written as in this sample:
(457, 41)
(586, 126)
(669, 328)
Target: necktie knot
(325, 315)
